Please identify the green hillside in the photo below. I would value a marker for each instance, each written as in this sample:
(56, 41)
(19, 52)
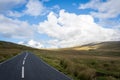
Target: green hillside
(89, 62)
(113, 45)
(8, 50)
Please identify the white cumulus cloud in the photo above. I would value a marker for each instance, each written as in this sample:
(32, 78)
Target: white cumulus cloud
(69, 29)
(13, 28)
(14, 14)
(8, 4)
(108, 9)
(32, 43)
(34, 8)
(35, 44)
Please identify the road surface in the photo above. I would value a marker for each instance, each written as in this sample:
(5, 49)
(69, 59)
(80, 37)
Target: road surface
(27, 66)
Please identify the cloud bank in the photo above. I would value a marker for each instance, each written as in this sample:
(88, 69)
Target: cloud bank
(69, 29)
(9, 4)
(64, 29)
(32, 43)
(108, 9)
(34, 8)
(13, 28)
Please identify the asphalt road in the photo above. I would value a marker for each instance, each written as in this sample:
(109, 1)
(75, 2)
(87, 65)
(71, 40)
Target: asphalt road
(27, 66)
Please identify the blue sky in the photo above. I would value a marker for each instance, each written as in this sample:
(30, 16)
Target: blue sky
(59, 23)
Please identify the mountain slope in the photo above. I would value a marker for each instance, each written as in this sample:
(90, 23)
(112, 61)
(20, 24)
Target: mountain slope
(114, 45)
(10, 45)
(99, 61)
(8, 50)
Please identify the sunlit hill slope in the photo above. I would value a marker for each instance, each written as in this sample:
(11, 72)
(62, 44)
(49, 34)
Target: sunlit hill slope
(100, 61)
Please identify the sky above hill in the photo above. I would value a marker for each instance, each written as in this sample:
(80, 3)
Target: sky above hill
(59, 23)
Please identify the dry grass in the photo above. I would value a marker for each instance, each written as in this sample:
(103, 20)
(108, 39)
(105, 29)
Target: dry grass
(81, 66)
(90, 64)
(8, 50)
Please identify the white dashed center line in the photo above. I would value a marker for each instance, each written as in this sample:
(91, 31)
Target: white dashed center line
(23, 62)
(23, 65)
(22, 71)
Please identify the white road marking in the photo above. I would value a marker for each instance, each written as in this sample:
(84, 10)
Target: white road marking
(22, 71)
(23, 64)
(25, 58)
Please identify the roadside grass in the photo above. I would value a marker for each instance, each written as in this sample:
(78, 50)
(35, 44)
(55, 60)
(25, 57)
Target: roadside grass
(6, 54)
(99, 64)
(81, 66)
(8, 50)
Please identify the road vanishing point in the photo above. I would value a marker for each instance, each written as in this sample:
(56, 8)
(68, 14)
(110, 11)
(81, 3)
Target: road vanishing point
(27, 66)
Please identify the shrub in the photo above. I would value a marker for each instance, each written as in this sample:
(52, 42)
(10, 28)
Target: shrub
(87, 74)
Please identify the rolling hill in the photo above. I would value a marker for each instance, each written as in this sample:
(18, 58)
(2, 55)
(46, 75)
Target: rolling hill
(8, 50)
(99, 61)
(111, 45)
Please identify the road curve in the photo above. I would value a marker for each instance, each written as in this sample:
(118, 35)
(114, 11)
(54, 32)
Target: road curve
(27, 66)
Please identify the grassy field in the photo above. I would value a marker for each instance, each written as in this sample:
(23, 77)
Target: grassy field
(8, 50)
(89, 62)
(80, 66)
